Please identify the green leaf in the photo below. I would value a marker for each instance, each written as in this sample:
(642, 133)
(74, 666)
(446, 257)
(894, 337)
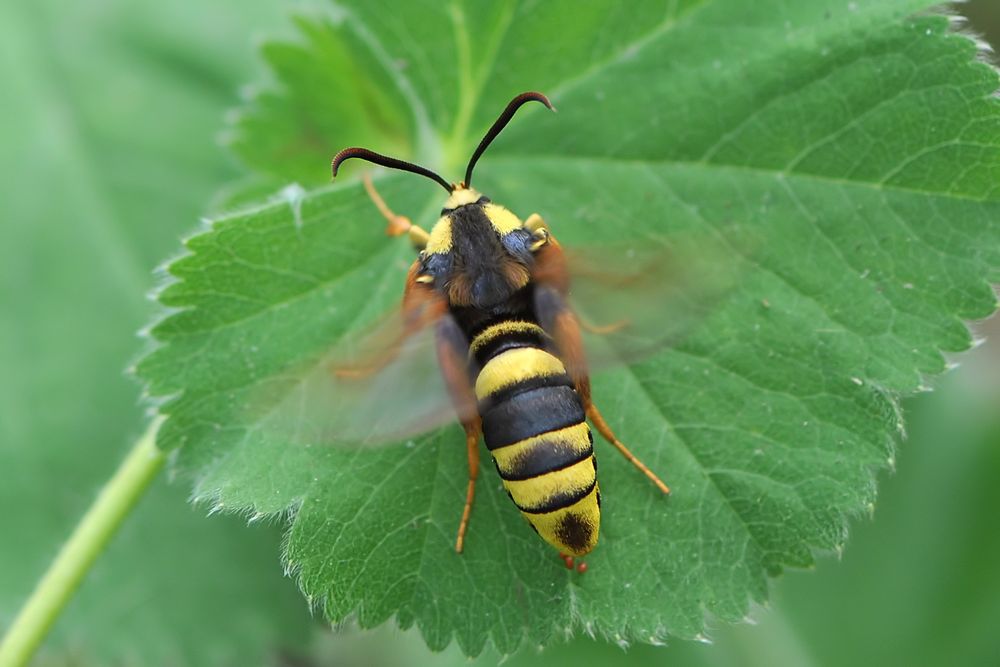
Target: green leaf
(889, 607)
(846, 154)
(940, 506)
(98, 184)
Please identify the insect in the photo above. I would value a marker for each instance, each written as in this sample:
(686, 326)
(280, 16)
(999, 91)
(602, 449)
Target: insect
(493, 290)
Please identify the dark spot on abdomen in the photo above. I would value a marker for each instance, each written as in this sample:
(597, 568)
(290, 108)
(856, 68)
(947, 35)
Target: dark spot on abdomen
(575, 532)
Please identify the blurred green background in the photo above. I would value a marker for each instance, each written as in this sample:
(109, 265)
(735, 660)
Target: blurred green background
(110, 127)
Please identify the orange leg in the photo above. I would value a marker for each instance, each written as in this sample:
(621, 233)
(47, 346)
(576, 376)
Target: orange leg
(398, 224)
(453, 355)
(472, 446)
(602, 427)
(556, 318)
(603, 330)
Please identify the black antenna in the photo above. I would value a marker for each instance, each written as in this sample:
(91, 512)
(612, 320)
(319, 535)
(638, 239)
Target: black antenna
(385, 161)
(501, 123)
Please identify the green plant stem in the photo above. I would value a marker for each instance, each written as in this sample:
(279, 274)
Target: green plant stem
(91, 536)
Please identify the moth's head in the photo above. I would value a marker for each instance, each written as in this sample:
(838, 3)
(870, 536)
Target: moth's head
(478, 253)
(462, 196)
(459, 194)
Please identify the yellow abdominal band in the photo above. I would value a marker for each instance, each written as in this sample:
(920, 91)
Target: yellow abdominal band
(513, 366)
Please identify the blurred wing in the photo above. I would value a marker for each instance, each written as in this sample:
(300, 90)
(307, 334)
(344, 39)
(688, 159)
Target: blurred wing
(378, 386)
(633, 301)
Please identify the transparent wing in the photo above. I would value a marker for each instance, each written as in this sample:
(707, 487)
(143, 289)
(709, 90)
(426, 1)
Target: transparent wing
(633, 300)
(383, 383)
(379, 386)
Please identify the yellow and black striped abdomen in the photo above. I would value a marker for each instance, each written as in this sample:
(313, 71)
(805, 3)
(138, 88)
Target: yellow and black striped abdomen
(536, 430)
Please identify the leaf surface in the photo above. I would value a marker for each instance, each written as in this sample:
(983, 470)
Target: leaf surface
(98, 184)
(845, 155)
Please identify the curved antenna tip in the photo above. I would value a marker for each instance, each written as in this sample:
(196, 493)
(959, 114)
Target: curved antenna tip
(532, 95)
(500, 123)
(543, 99)
(384, 161)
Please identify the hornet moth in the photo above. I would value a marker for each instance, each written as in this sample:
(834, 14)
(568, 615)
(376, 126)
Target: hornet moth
(494, 289)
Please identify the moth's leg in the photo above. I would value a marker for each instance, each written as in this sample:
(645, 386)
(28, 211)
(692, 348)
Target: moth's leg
(453, 357)
(603, 330)
(602, 427)
(534, 223)
(398, 224)
(551, 268)
(555, 316)
(472, 446)
(550, 263)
